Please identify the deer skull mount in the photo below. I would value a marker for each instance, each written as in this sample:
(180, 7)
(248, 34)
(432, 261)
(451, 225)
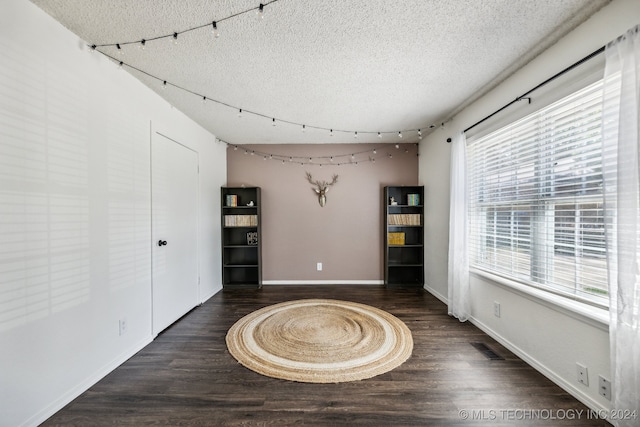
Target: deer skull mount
(321, 188)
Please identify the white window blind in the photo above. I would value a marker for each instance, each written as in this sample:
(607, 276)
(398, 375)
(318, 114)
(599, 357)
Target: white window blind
(536, 199)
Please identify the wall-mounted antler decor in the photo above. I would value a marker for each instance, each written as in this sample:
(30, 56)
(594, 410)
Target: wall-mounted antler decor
(321, 188)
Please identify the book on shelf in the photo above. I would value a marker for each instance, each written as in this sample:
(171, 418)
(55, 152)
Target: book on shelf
(232, 200)
(395, 239)
(413, 199)
(241, 220)
(404, 219)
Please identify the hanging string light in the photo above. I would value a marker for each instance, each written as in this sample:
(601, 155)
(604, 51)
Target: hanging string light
(174, 34)
(241, 111)
(353, 158)
(214, 28)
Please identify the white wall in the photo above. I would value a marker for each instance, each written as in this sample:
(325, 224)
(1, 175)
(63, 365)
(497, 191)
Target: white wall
(75, 212)
(548, 337)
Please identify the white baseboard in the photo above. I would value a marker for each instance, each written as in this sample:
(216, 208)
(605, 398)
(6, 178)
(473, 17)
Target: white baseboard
(559, 381)
(323, 282)
(85, 385)
(436, 294)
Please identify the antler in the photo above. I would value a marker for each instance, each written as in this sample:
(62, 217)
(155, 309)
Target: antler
(310, 179)
(322, 184)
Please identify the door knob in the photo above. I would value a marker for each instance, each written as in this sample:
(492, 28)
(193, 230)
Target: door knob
(162, 243)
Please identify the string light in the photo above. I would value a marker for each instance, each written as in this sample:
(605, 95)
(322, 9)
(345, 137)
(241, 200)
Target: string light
(120, 65)
(213, 25)
(240, 113)
(204, 99)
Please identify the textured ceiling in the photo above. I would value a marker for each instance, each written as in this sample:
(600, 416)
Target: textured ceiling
(366, 66)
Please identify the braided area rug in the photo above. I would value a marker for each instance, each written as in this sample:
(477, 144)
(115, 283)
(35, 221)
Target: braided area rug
(320, 341)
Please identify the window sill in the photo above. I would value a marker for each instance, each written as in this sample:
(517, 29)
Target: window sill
(586, 313)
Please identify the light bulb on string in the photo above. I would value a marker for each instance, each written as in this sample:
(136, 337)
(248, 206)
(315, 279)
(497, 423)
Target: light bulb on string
(204, 100)
(331, 159)
(235, 148)
(375, 151)
(92, 48)
(331, 132)
(260, 11)
(164, 84)
(419, 134)
(397, 146)
(253, 153)
(240, 113)
(120, 51)
(175, 38)
(273, 121)
(355, 135)
(143, 44)
(379, 135)
(399, 134)
(120, 65)
(290, 159)
(304, 128)
(214, 29)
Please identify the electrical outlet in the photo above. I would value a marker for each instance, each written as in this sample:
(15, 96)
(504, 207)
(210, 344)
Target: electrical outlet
(319, 266)
(583, 377)
(122, 325)
(496, 308)
(604, 387)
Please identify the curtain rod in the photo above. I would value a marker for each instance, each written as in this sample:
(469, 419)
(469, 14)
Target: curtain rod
(550, 79)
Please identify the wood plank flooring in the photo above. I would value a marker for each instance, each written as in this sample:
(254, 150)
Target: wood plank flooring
(187, 377)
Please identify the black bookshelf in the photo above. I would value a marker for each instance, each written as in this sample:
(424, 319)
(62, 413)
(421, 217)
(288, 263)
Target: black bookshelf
(241, 237)
(404, 236)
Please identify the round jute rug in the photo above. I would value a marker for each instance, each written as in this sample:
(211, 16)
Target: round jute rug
(320, 341)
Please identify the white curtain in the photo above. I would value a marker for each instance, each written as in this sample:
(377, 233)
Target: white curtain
(458, 281)
(622, 214)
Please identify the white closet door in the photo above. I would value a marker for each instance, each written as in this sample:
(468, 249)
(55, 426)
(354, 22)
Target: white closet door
(174, 181)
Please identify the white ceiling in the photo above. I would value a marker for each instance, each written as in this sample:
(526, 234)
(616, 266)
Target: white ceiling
(353, 65)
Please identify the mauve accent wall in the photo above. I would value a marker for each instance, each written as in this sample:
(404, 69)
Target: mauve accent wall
(346, 234)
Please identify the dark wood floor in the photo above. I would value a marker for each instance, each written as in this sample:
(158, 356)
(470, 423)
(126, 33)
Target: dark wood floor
(187, 377)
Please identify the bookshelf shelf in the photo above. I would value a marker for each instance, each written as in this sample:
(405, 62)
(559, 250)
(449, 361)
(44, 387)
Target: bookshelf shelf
(241, 237)
(404, 236)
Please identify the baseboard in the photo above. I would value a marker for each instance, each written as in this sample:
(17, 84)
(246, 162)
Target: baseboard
(559, 381)
(436, 294)
(76, 391)
(323, 282)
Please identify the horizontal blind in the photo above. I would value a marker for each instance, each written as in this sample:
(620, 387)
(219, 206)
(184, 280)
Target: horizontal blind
(536, 199)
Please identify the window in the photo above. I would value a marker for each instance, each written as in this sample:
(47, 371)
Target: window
(536, 199)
